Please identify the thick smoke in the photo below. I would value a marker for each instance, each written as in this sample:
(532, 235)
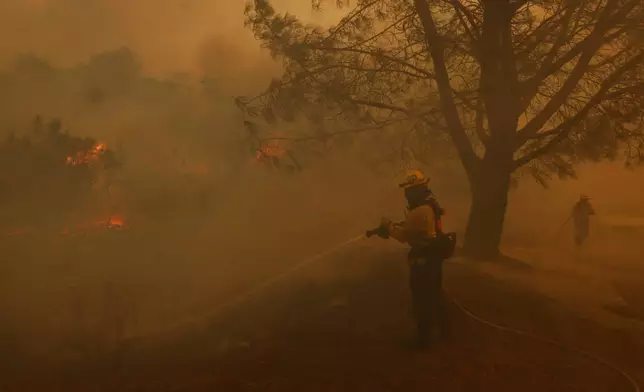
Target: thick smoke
(169, 36)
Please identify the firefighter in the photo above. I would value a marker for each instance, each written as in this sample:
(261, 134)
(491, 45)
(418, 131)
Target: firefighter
(581, 212)
(419, 229)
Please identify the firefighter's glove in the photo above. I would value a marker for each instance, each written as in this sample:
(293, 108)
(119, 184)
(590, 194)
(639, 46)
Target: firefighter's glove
(386, 226)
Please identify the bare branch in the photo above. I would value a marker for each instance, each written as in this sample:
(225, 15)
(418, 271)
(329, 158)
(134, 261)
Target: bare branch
(562, 131)
(533, 127)
(586, 48)
(474, 28)
(376, 54)
(435, 44)
(379, 105)
(347, 19)
(368, 128)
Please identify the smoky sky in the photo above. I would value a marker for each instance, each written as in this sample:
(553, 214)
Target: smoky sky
(169, 35)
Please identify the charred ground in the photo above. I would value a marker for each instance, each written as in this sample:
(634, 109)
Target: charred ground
(345, 325)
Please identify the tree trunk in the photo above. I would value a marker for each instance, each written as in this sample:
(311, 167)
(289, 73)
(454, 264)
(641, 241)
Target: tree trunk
(487, 214)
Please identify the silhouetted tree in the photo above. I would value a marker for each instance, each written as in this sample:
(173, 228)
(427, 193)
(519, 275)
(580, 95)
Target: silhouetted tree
(111, 73)
(48, 167)
(33, 64)
(514, 84)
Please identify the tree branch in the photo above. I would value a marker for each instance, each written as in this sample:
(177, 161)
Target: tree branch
(517, 4)
(367, 128)
(366, 70)
(437, 51)
(376, 54)
(481, 133)
(533, 127)
(587, 46)
(378, 105)
(564, 24)
(562, 131)
(347, 19)
(555, 102)
(382, 32)
(462, 11)
(538, 34)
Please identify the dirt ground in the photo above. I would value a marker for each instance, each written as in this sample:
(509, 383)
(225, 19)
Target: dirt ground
(344, 324)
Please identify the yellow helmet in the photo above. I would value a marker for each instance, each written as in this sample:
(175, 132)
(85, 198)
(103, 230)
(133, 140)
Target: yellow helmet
(413, 178)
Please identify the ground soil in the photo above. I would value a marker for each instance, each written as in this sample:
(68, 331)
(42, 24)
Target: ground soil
(344, 325)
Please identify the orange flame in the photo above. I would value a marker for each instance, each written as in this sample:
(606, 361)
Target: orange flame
(270, 151)
(85, 157)
(114, 222)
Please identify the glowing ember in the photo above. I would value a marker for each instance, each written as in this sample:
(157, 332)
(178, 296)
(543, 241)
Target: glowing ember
(85, 157)
(271, 151)
(114, 222)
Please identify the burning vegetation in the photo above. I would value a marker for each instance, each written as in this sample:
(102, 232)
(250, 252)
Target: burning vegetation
(50, 161)
(277, 157)
(93, 155)
(269, 152)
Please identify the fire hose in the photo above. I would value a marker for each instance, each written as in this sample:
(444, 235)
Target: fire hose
(286, 274)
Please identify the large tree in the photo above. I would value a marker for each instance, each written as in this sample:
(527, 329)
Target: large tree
(515, 84)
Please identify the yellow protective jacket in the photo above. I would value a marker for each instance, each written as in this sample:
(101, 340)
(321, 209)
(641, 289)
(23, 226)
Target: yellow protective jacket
(418, 227)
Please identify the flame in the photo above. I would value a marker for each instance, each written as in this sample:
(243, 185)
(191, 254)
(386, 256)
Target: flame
(114, 222)
(111, 222)
(85, 157)
(270, 151)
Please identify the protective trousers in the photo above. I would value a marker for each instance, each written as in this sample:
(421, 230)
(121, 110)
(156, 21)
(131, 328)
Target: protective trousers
(581, 233)
(430, 308)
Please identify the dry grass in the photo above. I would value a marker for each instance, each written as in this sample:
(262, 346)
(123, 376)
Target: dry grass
(59, 312)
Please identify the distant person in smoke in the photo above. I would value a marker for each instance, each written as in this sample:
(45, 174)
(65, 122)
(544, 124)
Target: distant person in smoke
(581, 213)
